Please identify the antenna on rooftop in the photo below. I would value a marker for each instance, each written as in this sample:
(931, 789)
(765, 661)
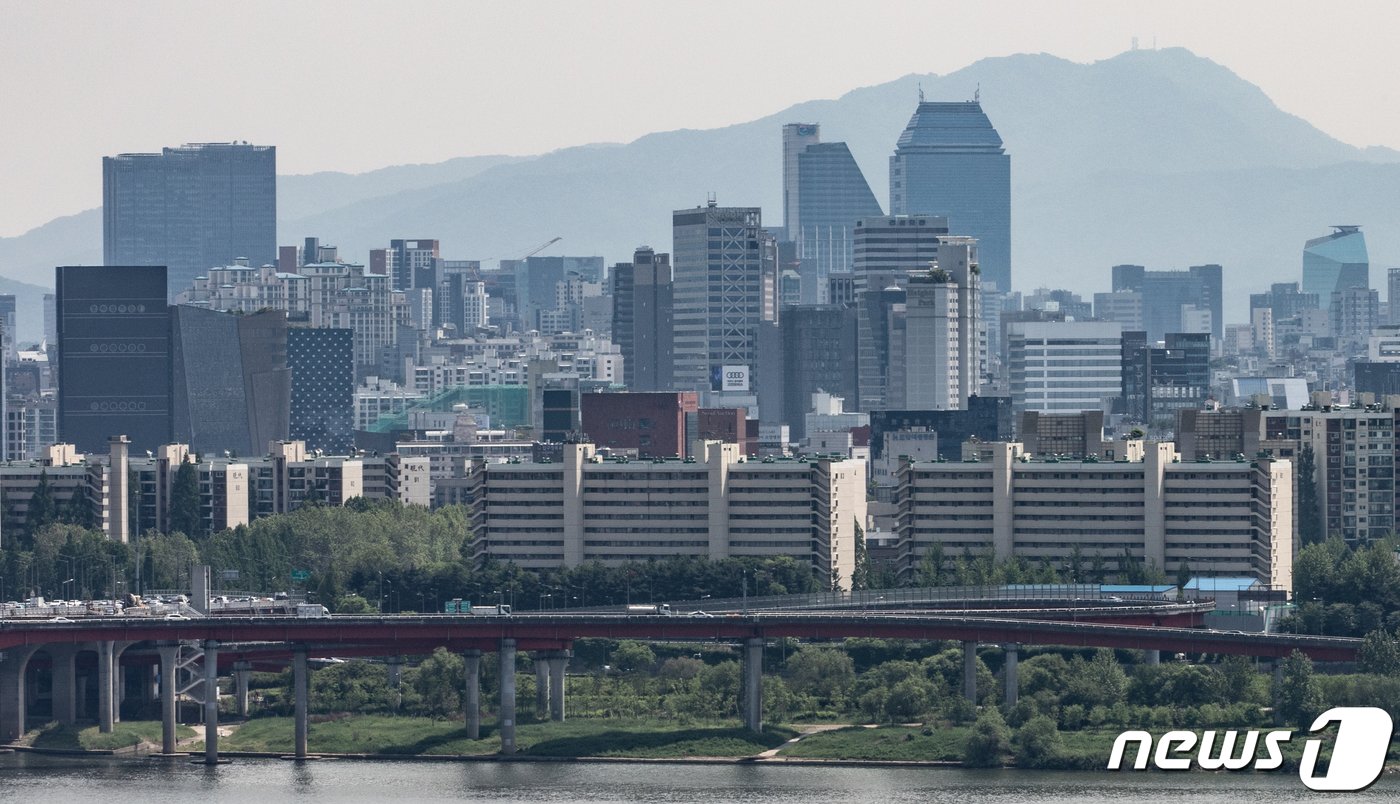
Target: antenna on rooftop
(921, 92)
(977, 93)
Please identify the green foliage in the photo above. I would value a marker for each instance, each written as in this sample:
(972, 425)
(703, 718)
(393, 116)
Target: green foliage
(437, 685)
(352, 604)
(1038, 743)
(42, 508)
(184, 501)
(1342, 591)
(1309, 511)
(824, 673)
(1379, 654)
(633, 656)
(1297, 694)
(358, 686)
(1095, 682)
(989, 740)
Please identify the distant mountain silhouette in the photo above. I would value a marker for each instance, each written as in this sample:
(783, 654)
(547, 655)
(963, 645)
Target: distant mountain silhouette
(1157, 157)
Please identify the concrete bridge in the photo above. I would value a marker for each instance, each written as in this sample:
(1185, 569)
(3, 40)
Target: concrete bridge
(235, 646)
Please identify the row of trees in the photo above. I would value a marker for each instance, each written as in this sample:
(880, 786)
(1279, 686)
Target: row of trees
(1345, 591)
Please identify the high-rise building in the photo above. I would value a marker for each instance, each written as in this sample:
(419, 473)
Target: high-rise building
(1064, 365)
(413, 263)
(1392, 280)
(796, 138)
(322, 364)
(1353, 314)
(945, 348)
(1160, 380)
(190, 208)
(642, 323)
(1123, 306)
(1284, 299)
(113, 356)
(8, 325)
(232, 387)
(1336, 262)
(950, 162)
(824, 194)
(1175, 301)
(887, 250)
(718, 256)
(812, 350)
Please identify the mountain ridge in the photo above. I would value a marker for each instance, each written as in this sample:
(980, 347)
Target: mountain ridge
(1132, 127)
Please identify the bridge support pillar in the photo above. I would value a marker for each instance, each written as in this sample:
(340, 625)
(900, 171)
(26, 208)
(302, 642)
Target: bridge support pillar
(168, 653)
(118, 679)
(753, 684)
(299, 682)
(241, 672)
(507, 714)
(65, 682)
(106, 682)
(558, 661)
(211, 702)
(1011, 671)
(12, 712)
(970, 671)
(1152, 657)
(541, 658)
(473, 695)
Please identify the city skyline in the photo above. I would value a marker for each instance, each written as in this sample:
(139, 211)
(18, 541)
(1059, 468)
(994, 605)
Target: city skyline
(228, 99)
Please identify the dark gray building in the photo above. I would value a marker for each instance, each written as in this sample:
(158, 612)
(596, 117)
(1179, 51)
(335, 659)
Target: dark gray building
(322, 364)
(113, 356)
(818, 354)
(1166, 295)
(950, 162)
(1160, 380)
(642, 319)
(232, 386)
(987, 418)
(190, 208)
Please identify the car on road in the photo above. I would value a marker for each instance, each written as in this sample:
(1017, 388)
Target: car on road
(59, 620)
(701, 614)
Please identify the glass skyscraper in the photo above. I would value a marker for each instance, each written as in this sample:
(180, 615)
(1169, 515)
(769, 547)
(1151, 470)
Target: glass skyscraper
(190, 209)
(1336, 262)
(113, 356)
(718, 292)
(950, 162)
(824, 194)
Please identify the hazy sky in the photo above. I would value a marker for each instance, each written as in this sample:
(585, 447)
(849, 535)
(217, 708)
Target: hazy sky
(355, 85)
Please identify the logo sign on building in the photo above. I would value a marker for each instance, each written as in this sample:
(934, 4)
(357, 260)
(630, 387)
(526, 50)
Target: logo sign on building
(734, 378)
(301, 575)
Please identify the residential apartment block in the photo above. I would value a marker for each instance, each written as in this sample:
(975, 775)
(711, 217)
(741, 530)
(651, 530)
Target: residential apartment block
(716, 505)
(1230, 518)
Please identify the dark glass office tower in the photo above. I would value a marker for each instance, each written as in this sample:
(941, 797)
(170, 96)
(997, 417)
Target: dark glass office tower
(718, 299)
(322, 363)
(232, 386)
(1168, 296)
(950, 161)
(642, 319)
(113, 356)
(190, 208)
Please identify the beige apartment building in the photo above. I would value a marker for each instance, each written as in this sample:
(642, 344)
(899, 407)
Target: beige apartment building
(1223, 518)
(716, 505)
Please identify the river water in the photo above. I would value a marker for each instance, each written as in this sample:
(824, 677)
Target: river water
(27, 778)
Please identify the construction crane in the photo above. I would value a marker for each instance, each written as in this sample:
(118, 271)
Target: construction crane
(536, 250)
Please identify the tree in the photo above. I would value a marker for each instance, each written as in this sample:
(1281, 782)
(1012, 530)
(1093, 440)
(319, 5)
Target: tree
(1379, 654)
(42, 509)
(988, 741)
(1038, 743)
(931, 568)
(631, 655)
(823, 673)
(1297, 695)
(184, 502)
(860, 575)
(1309, 512)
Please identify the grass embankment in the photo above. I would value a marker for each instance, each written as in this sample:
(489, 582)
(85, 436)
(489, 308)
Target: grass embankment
(123, 735)
(407, 736)
(889, 743)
